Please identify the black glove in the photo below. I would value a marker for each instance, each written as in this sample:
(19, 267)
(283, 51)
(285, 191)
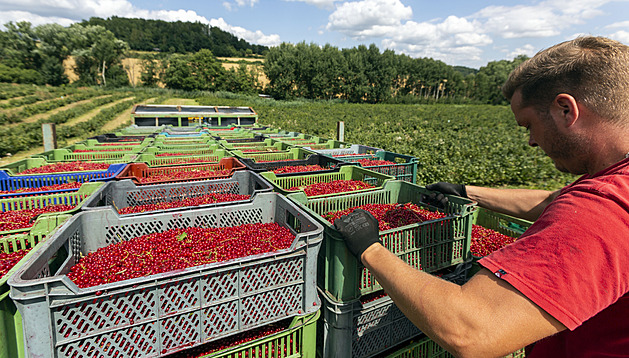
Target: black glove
(359, 229)
(438, 198)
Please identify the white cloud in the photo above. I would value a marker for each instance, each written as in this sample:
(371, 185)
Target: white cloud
(360, 19)
(66, 12)
(256, 37)
(324, 4)
(544, 19)
(615, 25)
(622, 36)
(35, 20)
(528, 50)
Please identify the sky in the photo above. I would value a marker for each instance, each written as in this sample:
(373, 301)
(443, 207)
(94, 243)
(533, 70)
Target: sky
(457, 32)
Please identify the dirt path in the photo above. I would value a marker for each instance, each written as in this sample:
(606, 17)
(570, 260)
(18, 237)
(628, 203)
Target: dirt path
(181, 102)
(37, 117)
(89, 115)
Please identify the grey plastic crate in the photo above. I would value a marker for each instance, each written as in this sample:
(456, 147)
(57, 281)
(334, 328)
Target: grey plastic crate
(352, 149)
(164, 313)
(360, 330)
(125, 193)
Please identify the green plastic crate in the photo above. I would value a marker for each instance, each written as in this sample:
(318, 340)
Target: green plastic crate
(29, 163)
(232, 146)
(276, 147)
(427, 246)
(297, 341)
(11, 335)
(425, 347)
(404, 169)
(95, 143)
(292, 153)
(183, 141)
(66, 155)
(74, 198)
(188, 149)
(502, 223)
(347, 172)
(209, 156)
(118, 148)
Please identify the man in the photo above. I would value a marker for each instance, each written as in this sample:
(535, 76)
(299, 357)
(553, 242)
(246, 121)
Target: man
(562, 288)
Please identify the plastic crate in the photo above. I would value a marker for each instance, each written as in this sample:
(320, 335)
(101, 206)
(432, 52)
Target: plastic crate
(282, 184)
(361, 330)
(153, 161)
(163, 313)
(114, 138)
(187, 149)
(105, 147)
(11, 334)
(424, 347)
(183, 140)
(8, 182)
(11, 337)
(404, 169)
(135, 171)
(96, 143)
(75, 199)
(427, 246)
(254, 139)
(277, 147)
(295, 157)
(14, 169)
(121, 194)
(298, 340)
(502, 223)
(351, 150)
(66, 155)
(233, 146)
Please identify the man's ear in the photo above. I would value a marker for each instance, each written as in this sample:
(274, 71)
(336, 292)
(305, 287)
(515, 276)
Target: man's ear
(565, 107)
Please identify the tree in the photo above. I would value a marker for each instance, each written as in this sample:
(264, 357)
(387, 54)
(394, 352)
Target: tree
(195, 72)
(97, 51)
(54, 49)
(151, 71)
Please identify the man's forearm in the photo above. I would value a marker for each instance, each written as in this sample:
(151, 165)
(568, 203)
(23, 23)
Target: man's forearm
(475, 320)
(522, 203)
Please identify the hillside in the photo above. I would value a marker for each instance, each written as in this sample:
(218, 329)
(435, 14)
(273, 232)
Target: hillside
(176, 37)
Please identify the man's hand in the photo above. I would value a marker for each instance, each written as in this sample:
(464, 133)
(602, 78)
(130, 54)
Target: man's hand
(438, 198)
(359, 229)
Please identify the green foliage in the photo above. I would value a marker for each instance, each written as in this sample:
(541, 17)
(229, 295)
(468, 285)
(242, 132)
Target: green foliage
(176, 37)
(194, 72)
(364, 74)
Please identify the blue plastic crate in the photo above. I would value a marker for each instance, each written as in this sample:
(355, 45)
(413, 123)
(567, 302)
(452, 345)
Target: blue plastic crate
(11, 182)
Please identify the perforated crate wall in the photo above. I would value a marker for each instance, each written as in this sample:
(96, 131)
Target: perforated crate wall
(11, 337)
(155, 315)
(361, 330)
(427, 246)
(424, 347)
(121, 194)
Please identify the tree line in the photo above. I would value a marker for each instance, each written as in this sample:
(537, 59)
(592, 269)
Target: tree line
(176, 37)
(365, 74)
(360, 74)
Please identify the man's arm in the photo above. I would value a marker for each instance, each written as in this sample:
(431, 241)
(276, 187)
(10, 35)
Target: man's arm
(486, 317)
(525, 204)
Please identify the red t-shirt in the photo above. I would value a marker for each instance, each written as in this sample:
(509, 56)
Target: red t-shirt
(573, 262)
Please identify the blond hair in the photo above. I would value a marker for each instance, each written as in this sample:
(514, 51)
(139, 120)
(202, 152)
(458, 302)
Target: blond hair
(594, 70)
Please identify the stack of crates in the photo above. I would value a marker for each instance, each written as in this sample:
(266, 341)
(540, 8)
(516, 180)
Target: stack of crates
(311, 299)
(270, 299)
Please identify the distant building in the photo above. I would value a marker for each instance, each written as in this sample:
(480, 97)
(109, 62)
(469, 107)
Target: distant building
(183, 116)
